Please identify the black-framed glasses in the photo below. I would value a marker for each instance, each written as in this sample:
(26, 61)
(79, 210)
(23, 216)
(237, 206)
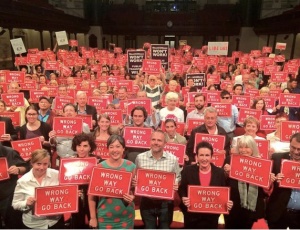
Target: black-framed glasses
(225, 97)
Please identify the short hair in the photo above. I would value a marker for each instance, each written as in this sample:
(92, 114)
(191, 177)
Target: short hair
(80, 93)
(281, 115)
(287, 89)
(237, 85)
(171, 95)
(69, 104)
(295, 136)
(248, 141)
(251, 119)
(38, 155)
(224, 93)
(114, 138)
(81, 137)
(170, 120)
(123, 88)
(141, 108)
(210, 110)
(161, 132)
(264, 90)
(204, 144)
(200, 95)
(173, 81)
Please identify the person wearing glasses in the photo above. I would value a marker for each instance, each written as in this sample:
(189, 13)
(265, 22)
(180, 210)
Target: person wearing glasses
(283, 207)
(228, 123)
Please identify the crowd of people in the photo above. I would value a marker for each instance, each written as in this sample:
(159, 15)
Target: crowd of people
(175, 101)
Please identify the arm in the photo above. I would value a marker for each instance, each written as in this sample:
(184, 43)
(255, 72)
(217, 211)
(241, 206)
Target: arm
(19, 201)
(92, 207)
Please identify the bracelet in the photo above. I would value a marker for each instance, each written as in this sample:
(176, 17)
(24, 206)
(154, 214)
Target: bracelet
(19, 171)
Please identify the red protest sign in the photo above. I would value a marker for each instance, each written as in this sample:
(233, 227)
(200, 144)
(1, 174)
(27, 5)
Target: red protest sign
(291, 68)
(21, 61)
(137, 137)
(146, 103)
(2, 128)
(269, 69)
(99, 102)
(54, 200)
(36, 94)
(16, 99)
(51, 65)
(279, 76)
(288, 128)
(208, 199)
(151, 66)
(252, 92)
(217, 141)
(213, 97)
(176, 149)
(86, 118)
(180, 126)
(28, 85)
(280, 46)
(244, 113)
(279, 58)
(76, 170)
(33, 59)
(155, 184)
(109, 183)
(275, 93)
(15, 76)
(73, 42)
(251, 170)
(14, 116)
(270, 102)
(291, 172)
(101, 150)
(115, 116)
(60, 102)
(289, 99)
(215, 77)
(241, 101)
(26, 147)
(3, 169)
(125, 83)
(267, 122)
(266, 49)
(67, 126)
(218, 159)
(263, 148)
(192, 123)
(223, 109)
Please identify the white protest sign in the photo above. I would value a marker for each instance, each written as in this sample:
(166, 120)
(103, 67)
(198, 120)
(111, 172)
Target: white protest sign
(217, 48)
(61, 38)
(18, 45)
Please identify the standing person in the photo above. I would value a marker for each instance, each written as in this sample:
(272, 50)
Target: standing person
(83, 108)
(16, 166)
(283, 207)
(83, 144)
(204, 173)
(113, 212)
(24, 196)
(210, 126)
(248, 199)
(228, 123)
(158, 213)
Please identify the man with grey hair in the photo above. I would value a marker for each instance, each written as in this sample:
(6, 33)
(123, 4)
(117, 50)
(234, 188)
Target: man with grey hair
(209, 127)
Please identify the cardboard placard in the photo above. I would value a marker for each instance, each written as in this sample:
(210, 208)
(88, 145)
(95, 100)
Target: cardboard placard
(267, 122)
(51, 65)
(16, 99)
(67, 126)
(289, 99)
(208, 199)
(217, 141)
(269, 101)
(224, 109)
(76, 170)
(15, 76)
(125, 83)
(151, 66)
(279, 76)
(115, 116)
(60, 102)
(241, 101)
(291, 171)
(137, 137)
(73, 42)
(217, 48)
(87, 118)
(146, 103)
(14, 116)
(180, 126)
(155, 184)
(160, 52)
(18, 45)
(198, 78)
(244, 113)
(135, 61)
(193, 123)
(177, 150)
(26, 147)
(101, 150)
(36, 94)
(3, 169)
(267, 49)
(29, 85)
(280, 46)
(218, 159)
(213, 97)
(288, 128)
(263, 148)
(109, 182)
(251, 170)
(54, 200)
(61, 38)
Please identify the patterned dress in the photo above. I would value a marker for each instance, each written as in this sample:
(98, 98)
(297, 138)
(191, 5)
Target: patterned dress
(114, 212)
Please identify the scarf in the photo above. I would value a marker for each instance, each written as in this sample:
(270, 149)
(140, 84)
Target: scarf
(248, 198)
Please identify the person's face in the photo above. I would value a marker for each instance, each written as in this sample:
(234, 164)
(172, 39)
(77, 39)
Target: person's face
(264, 94)
(31, 116)
(104, 124)
(69, 111)
(226, 98)
(39, 168)
(170, 128)
(141, 94)
(157, 142)
(278, 122)
(42, 80)
(259, 105)
(204, 158)
(229, 88)
(70, 81)
(251, 128)
(44, 104)
(295, 150)
(52, 77)
(62, 91)
(115, 150)
(172, 86)
(245, 78)
(210, 120)
(138, 118)
(2, 107)
(245, 151)
(238, 90)
(190, 82)
(122, 94)
(171, 103)
(83, 149)
(81, 99)
(14, 88)
(103, 88)
(286, 91)
(293, 84)
(152, 81)
(199, 102)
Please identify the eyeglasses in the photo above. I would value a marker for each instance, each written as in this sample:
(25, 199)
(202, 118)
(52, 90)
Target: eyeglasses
(225, 97)
(151, 79)
(294, 148)
(31, 114)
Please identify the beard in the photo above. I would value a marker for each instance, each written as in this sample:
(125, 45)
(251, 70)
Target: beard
(199, 107)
